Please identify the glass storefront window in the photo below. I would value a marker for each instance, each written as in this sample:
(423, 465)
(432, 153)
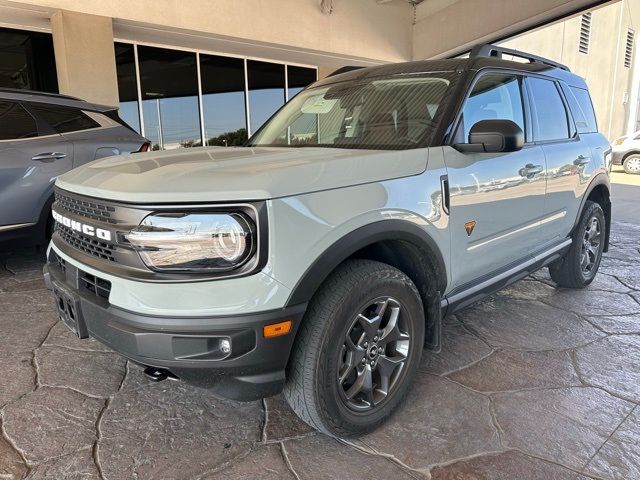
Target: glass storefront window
(168, 79)
(27, 60)
(266, 91)
(298, 78)
(127, 86)
(223, 102)
(169, 95)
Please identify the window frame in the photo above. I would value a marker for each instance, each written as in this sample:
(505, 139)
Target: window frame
(524, 97)
(571, 124)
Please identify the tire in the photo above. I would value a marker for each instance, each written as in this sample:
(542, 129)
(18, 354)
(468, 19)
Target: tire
(579, 266)
(322, 351)
(632, 164)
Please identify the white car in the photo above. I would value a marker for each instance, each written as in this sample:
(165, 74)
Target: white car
(626, 152)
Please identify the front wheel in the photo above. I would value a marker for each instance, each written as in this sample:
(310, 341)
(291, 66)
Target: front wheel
(632, 165)
(358, 349)
(579, 266)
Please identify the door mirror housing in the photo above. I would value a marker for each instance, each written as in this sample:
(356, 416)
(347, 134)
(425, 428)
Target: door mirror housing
(493, 136)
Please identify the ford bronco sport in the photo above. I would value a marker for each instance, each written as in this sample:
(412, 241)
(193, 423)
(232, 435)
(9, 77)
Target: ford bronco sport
(321, 258)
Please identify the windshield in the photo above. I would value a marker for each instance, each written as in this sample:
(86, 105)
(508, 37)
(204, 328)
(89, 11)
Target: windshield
(396, 112)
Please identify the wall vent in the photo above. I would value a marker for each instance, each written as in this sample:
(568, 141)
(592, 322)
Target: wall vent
(585, 33)
(628, 49)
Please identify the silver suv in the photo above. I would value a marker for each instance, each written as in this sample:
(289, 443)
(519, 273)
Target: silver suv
(43, 136)
(321, 258)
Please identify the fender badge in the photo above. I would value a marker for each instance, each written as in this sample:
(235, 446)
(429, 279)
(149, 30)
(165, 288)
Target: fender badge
(469, 226)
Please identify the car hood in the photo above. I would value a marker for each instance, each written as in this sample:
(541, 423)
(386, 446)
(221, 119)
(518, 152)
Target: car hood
(209, 174)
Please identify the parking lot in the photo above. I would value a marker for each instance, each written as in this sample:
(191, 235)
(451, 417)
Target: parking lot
(533, 382)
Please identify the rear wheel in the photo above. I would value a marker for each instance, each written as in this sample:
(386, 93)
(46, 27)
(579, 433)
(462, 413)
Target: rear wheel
(632, 164)
(579, 266)
(358, 349)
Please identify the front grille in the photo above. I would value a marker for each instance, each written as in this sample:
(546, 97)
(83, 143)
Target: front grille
(86, 208)
(94, 284)
(86, 244)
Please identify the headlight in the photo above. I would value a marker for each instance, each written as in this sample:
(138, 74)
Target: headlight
(619, 141)
(194, 242)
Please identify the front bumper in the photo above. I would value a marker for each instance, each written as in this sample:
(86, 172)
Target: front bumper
(617, 156)
(189, 347)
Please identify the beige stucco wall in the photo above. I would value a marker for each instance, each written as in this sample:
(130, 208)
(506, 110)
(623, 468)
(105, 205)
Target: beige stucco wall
(603, 67)
(85, 56)
(356, 28)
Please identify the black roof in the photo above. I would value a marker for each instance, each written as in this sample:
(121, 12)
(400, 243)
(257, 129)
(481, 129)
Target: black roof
(33, 96)
(481, 57)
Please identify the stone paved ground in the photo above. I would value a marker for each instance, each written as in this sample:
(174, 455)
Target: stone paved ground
(533, 382)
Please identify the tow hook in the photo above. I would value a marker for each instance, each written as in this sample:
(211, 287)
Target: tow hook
(158, 374)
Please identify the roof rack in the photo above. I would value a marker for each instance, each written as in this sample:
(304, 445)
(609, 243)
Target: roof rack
(345, 69)
(489, 50)
(36, 92)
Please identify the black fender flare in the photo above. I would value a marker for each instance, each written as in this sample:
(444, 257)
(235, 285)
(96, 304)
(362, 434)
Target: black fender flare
(599, 179)
(356, 240)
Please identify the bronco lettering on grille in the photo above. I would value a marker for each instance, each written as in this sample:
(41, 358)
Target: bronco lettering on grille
(88, 230)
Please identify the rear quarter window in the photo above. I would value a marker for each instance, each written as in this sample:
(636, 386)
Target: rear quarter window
(64, 119)
(582, 109)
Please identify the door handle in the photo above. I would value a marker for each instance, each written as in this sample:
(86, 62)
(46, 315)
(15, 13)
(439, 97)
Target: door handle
(43, 157)
(529, 170)
(581, 161)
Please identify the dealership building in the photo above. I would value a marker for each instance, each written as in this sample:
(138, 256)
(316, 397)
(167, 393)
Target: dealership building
(187, 73)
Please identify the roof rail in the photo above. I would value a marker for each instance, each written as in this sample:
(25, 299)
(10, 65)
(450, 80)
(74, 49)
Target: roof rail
(489, 50)
(345, 69)
(36, 92)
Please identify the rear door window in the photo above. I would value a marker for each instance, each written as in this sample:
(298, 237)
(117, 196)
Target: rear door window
(64, 119)
(495, 96)
(16, 122)
(550, 120)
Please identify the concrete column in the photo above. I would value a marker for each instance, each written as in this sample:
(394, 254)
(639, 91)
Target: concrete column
(85, 58)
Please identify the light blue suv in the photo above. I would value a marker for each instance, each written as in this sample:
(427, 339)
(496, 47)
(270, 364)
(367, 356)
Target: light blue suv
(321, 258)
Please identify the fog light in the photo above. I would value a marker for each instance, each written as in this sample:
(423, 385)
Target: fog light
(225, 346)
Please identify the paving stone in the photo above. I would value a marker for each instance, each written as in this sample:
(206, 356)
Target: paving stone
(590, 302)
(527, 290)
(24, 332)
(527, 325)
(319, 457)
(96, 374)
(263, 462)
(459, 348)
(28, 262)
(504, 466)
(612, 363)
(514, 370)
(76, 466)
(620, 456)
(622, 254)
(13, 285)
(51, 422)
(172, 430)
(627, 274)
(11, 465)
(18, 376)
(439, 421)
(617, 324)
(566, 425)
(61, 336)
(282, 422)
(30, 302)
(607, 283)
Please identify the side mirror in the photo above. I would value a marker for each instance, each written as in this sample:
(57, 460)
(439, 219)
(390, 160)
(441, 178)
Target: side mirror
(493, 136)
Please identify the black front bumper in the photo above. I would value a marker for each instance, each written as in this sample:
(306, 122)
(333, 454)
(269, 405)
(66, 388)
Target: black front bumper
(188, 347)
